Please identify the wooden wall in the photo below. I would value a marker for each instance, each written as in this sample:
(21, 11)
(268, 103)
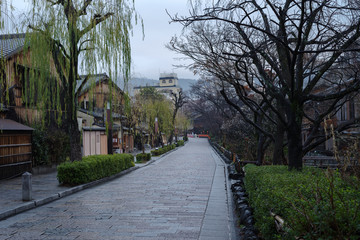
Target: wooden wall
(94, 143)
(15, 154)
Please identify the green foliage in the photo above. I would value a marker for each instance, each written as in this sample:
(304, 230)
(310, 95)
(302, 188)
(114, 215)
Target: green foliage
(314, 203)
(141, 157)
(163, 150)
(185, 138)
(64, 39)
(49, 146)
(92, 168)
(40, 149)
(59, 145)
(153, 105)
(180, 143)
(151, 94)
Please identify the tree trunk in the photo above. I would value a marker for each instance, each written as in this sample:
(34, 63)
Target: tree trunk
(173, 125)
(295, 145)
(75, 152)
(278, 154)
(171, 137)
(142, 142)
(75, 147)
(260, 149)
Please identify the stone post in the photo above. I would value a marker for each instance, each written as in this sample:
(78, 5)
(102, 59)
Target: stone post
(26, 187)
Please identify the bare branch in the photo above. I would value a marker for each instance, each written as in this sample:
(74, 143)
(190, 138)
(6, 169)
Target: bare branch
(95, 21)
(82, 11)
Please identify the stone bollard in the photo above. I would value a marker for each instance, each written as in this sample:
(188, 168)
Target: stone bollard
(26, 187)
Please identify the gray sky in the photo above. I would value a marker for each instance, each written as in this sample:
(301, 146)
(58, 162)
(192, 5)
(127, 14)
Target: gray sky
(150, 56)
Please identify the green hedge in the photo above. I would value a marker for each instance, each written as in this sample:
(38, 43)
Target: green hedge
(163, 150)
(92, 168)
(143, 157)
(315, 204)
(180, 143)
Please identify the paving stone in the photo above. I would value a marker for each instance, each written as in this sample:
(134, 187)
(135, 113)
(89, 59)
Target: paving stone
(180, 196)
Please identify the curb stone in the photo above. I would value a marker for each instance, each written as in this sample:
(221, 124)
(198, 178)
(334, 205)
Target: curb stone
(40, 202)
(233, 218)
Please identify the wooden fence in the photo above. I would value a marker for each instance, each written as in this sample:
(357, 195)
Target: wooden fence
(328, 161)
(15, 154)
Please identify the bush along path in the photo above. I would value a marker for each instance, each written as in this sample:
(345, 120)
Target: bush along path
(93, 168)
(311, 204)
(143, 157)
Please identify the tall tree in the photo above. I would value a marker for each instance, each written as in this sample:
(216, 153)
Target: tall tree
(285, 51)
(178, 101)
(155, 110)
(88, 36)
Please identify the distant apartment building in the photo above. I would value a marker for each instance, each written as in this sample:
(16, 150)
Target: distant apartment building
(168, 84)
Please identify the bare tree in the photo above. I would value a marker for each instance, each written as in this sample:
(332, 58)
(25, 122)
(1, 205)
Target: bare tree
(178, 100)
(284, 51)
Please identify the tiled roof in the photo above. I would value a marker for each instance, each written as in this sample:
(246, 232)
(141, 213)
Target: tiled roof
(11, 44)
(10, 125)
(92, 79)
(99, 113)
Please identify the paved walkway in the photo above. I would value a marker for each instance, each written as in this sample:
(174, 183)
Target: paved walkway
(183, 195)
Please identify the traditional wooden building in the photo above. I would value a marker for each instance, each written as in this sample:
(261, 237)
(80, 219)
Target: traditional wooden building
(93, 101)
(16, 67)
(15, 148)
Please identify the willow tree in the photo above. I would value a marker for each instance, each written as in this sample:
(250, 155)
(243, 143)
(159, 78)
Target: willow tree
(155, 110)
(77, 36)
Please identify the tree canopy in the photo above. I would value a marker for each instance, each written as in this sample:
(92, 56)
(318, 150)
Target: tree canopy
(282, 53)
(76, 36)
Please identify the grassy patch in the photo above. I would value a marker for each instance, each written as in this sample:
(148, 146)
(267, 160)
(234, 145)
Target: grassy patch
(315, 203)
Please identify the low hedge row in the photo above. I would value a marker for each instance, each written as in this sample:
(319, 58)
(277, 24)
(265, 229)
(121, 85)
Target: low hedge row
(180, 143)
(143, 157)
(92, 168)
(163, 150)
(315, 203)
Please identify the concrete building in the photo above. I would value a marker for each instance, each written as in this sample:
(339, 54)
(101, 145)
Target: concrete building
(168, 84)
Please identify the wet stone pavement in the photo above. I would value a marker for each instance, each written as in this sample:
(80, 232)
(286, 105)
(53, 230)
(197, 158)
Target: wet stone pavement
(181, 196)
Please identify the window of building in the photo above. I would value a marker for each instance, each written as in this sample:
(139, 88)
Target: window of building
(163, 81)
(170, 81)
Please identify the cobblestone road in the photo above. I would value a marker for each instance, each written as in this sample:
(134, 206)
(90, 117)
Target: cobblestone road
(170, 199)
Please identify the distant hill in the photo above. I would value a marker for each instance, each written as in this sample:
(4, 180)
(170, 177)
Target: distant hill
(184, 83)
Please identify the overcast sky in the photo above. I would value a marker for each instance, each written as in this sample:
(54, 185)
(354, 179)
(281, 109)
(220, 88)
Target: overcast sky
(150, 56)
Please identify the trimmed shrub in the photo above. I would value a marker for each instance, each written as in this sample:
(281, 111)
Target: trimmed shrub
(180, 143)
(314, 203)
(162, 150)
(143, 157)
(92, 168)
(185, 138)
